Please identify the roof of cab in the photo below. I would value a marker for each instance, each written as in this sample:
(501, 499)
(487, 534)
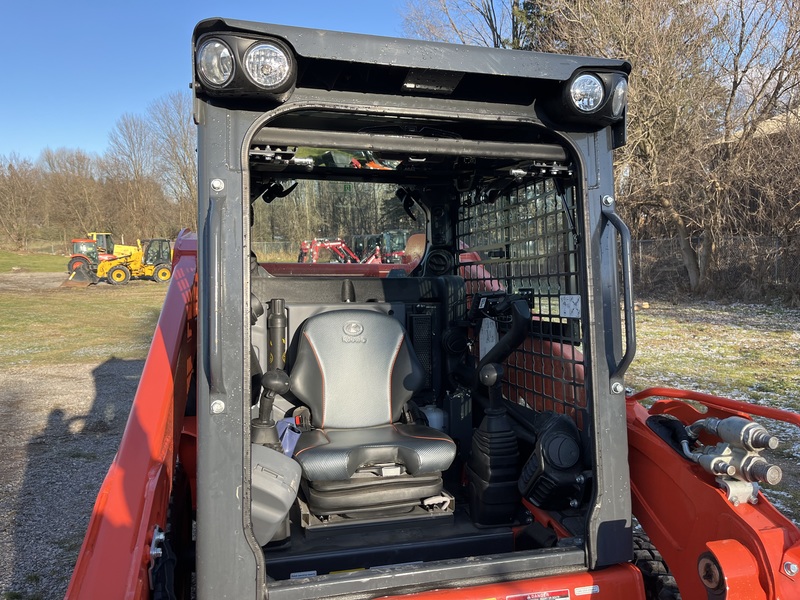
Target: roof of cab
(415, 54)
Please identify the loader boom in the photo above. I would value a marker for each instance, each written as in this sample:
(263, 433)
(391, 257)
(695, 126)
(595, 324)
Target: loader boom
(132, 502)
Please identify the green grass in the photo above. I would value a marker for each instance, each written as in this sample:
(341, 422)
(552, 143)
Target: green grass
(78, 325)
(38, 263)
(747, 352)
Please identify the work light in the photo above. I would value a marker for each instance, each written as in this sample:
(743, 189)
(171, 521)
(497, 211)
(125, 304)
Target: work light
(215, 63)
(268, 65)
(619, 97)
(587, 92)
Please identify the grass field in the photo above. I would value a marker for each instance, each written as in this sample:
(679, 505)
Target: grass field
(78, 325)
(45, 325)
(740, 351)
(33, 263)
(748, 352)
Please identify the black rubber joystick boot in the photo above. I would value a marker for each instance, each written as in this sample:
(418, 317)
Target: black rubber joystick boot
(493, 462)
(262, 428)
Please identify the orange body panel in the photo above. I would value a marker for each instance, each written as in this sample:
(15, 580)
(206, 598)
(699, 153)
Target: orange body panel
(134, 496)
(687, 515)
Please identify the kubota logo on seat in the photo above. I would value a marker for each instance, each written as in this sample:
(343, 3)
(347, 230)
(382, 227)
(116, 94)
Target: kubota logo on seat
(353, 331)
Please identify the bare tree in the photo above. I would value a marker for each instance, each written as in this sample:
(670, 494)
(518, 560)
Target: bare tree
(74, 199)
(518, 24)
(175, 136)
(706, 76)
(672, 114)
(133, 179)
(20, 194)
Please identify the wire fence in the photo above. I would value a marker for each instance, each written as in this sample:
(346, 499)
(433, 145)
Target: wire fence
(267, 249)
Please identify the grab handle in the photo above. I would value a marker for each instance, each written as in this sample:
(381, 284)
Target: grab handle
(212, 234)
(627, 286)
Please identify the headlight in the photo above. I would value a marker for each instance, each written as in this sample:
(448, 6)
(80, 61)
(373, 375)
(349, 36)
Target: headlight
(619, 98)
(215, 63)
(587, 93)
(268, 65)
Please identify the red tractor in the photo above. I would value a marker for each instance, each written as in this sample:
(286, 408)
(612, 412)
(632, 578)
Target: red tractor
(338, 251)
(85, 255)
(393, 245)
(456, 426)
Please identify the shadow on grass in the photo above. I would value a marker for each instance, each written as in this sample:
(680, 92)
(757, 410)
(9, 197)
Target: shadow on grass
(66, 464)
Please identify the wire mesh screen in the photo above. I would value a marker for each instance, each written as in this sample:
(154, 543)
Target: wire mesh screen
(525, 242)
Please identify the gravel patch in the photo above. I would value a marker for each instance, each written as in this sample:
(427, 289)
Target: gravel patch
(60, 429)
(24, 281)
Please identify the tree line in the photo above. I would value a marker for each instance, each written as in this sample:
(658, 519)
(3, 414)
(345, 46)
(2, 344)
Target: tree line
(713, 115)
(144, 185)
(713, 121)
(328, 209)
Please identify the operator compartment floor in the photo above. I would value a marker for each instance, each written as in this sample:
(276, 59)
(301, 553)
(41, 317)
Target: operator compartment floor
(392, 542)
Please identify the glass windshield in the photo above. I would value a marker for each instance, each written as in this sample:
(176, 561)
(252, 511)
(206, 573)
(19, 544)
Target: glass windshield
(88, 249)
(323, 221)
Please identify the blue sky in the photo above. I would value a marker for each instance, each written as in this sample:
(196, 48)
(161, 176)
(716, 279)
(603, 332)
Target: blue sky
(70, 70)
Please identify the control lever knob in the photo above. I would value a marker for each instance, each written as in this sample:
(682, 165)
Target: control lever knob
(276, 381)
(490, 374)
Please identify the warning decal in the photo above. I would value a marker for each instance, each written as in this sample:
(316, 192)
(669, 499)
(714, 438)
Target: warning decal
(587, 590)
(549, 595)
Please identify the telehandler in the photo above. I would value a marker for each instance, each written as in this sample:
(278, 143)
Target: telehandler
(452, 426)
(95, 248)
(151, 259)
(108, 247)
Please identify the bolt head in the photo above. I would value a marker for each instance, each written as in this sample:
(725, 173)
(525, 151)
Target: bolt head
(217, 185)
(217, 406)
(790, 568)
(608, 200)
(617, 387)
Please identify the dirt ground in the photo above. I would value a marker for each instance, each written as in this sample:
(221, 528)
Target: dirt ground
(59, 429)
(30, 282)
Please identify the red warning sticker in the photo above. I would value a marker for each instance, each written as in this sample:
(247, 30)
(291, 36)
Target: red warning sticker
(549, 595)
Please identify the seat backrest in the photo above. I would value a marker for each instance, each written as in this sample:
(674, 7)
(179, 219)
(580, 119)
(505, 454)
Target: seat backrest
(354, 369)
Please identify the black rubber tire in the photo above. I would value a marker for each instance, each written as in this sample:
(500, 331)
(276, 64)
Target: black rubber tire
(179, 532)
(118, 275)
(659, 584)
(76, 263)
(162, 273)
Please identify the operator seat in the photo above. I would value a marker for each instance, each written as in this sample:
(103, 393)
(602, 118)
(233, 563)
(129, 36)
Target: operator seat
(355, 370)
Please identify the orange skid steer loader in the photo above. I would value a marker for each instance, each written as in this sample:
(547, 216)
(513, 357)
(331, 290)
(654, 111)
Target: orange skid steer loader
(455, 425)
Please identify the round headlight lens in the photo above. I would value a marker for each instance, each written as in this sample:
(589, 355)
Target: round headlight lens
(268, 65)
(215, 63)
(619, 98)
(587, 92)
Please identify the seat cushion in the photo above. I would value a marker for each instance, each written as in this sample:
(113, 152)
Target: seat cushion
(336, 454)
(355, 368)
(370, 494)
